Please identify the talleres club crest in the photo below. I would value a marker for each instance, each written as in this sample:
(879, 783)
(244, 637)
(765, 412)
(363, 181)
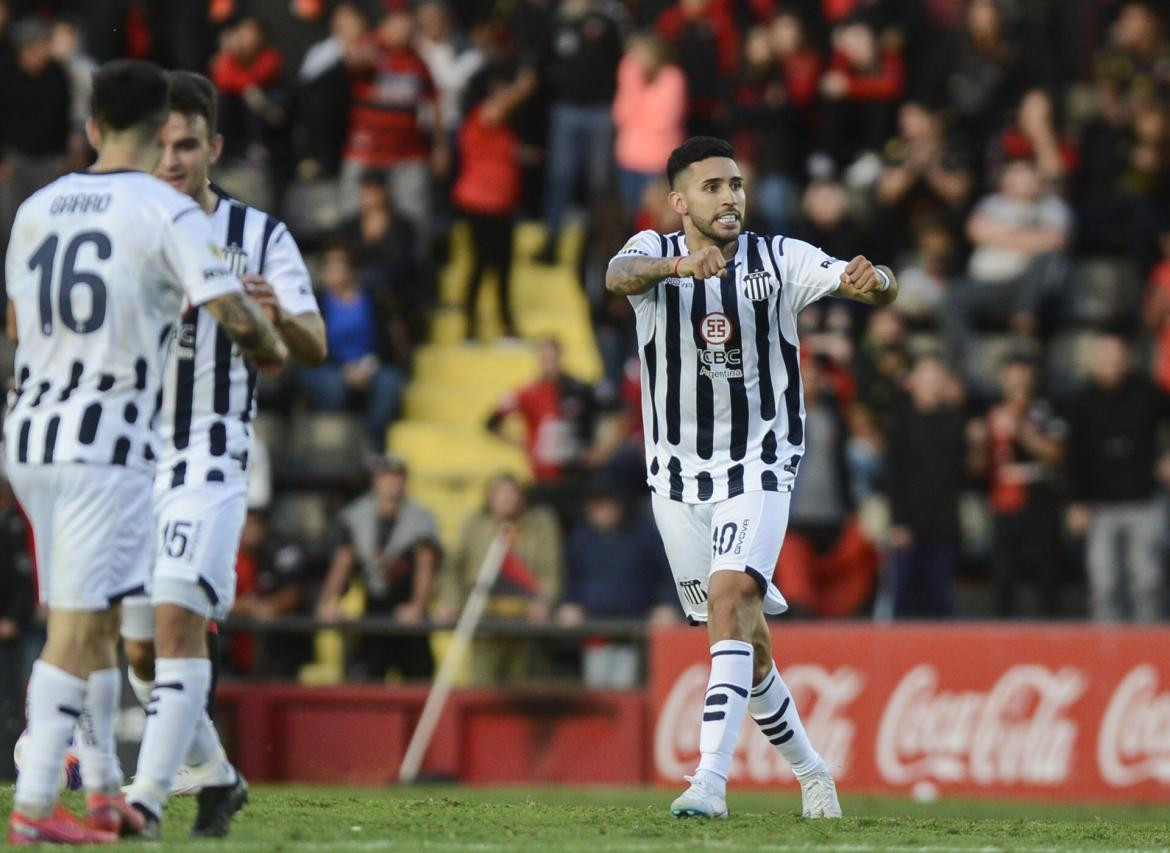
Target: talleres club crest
(759, 285)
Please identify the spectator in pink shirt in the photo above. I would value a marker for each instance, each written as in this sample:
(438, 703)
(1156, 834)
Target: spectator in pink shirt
(649, 112)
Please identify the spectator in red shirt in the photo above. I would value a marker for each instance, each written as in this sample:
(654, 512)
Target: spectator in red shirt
(558, 413)
(487, 190)
(1034, 136)
(247, 73)
(390, 84)
(860, 89)
(1018, 447)
(705, 41)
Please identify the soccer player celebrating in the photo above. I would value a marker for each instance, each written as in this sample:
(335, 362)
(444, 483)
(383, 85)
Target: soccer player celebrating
(200, 488)
(97, 267)
(724, 421)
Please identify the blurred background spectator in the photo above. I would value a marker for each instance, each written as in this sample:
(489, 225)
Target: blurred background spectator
(17, 606)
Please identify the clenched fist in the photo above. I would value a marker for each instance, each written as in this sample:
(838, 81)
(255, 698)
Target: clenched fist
(860, 276)
(703, 264)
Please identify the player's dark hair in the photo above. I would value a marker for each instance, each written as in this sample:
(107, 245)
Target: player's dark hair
(194, 94)
(130, 93)
(693, 150)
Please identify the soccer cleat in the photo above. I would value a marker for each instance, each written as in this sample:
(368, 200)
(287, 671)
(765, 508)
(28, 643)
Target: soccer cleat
(217, 805)
(151, 825)
(818, 794)
(113, 814)
(60, 827)
(699, 801)
(216, 772)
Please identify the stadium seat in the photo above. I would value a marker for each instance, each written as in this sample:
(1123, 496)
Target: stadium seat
(303, 516)
(329, 438)
(1103, 291)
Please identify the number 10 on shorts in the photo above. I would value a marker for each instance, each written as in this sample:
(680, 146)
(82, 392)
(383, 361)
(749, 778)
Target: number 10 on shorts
(179, 539)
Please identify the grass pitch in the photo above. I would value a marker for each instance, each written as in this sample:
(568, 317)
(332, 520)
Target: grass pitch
(434, 818)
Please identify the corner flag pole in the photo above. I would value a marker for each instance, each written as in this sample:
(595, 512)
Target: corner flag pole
(489, 570)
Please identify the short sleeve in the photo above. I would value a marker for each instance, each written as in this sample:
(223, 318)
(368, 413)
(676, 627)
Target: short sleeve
(285, 270)
(195, 259)
(808, 273)
(644, 244)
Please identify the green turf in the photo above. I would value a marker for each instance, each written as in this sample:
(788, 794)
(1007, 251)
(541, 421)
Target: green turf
(504, 819)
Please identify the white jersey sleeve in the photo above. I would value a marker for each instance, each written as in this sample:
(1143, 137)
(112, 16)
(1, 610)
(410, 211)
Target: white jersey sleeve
(286, 272)
(809, 274)
(644, 244)
(195, 258)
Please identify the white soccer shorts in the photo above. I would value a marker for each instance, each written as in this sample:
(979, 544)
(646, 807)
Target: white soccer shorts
(199, 529)
(93, 530)
(740, 534)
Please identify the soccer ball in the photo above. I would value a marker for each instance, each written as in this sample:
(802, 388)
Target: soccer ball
(70, 773)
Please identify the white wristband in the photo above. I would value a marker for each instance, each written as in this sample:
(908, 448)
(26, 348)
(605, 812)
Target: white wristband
(885, 280)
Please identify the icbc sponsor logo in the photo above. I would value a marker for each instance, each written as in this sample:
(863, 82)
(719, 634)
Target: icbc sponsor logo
(1017, 731)
(1134, 742)
(822, 695)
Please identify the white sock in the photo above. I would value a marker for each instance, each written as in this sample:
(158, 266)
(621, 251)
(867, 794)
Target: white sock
(97, 747)
(141, 688)
(205, 744)
(774, 711)
(723, 710)
(180, 694)
(55, 700)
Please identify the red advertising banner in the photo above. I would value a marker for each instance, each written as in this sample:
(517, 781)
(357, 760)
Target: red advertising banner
(1071, 712)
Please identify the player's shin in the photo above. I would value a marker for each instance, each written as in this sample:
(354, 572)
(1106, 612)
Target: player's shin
(724, 708)
(55, 701)
(97, 746)
(774, 710)
(180, 692)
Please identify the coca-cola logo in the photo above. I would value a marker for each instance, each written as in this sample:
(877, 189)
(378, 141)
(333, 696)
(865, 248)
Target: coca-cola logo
(1134, 742)
(822, 697)
(1015, 732)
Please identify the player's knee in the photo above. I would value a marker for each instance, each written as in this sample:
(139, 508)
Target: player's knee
(179, 632)
(733, 606)
(140, 658)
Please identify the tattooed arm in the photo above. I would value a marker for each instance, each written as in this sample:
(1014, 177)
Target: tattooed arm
(247, 325)
(629, 276)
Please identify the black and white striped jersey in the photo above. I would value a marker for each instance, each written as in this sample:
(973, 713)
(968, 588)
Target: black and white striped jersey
(722, 405)
(209, 388)
(97, 268)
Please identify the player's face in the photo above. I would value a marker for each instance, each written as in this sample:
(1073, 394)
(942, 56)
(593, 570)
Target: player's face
(187, 153)
(710, 194)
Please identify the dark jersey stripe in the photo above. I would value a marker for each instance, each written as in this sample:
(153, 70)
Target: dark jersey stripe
(674, 466)
(22, 442)
(178, 475)
(222, 387)
(673, 366)
(140, 370)
(706, 485)
(739, 402)
(185, 378)
(121, 450)
(51, 438)
(650, 359)
(89, 423)
(790, 356)
(763, 337)
(74, 380)
(704, 390)
(734, 480)
(269, 226)
(217, 439)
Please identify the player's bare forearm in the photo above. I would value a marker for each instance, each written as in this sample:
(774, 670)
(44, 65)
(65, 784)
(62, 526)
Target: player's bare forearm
(304, 335)
(631, 276)
(863, 282)
(10, 323)
(248, 326)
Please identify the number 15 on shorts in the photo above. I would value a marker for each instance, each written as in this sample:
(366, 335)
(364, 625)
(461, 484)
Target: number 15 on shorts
(179, 540)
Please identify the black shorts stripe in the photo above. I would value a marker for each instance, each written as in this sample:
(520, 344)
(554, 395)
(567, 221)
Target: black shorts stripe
(763, 337)
(673, 367)
(121, 451)
(217, 439)
(674, 466)
(90, 419)
(650, 359)
(71, 712)
(74, 380)
(185, 378)
(222, 376)
(704, 390)
(51, 438)
(739, 401)
(706, 485)
(22, 442)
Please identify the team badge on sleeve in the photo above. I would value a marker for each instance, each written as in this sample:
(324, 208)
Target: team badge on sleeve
(759, 285)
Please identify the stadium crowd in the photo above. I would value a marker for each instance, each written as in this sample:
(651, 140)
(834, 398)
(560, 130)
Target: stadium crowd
(991, 446)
